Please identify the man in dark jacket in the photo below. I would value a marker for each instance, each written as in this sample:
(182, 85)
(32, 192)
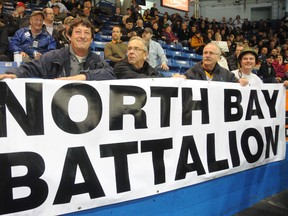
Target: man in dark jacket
(136, 65)
(75, 62)
(209, 69)
(267, 72)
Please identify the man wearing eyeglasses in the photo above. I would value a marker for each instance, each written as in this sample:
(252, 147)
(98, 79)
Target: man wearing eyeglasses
(135, 66)
(51, 27)
(209, 69)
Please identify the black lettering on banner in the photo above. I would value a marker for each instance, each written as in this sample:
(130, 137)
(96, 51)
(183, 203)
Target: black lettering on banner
(32, 121)
(251, 132)
(118, 109)
(60, 105)
(229, 105)
(213, 165)
(253, 99)
(189, 105)
(165, 93)
(67, 188)
(234, 149)
(157, 148)
(188, 144)
(271, 102)
(120, 151)
(271, 141)
(38, 187)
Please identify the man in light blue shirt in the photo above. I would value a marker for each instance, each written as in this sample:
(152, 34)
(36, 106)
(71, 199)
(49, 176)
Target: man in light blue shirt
(157, 58)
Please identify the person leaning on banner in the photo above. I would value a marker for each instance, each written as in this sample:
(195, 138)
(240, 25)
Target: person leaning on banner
(209, 69)
(248, 58)
(135, 66)
(74, 62)
(33, 38)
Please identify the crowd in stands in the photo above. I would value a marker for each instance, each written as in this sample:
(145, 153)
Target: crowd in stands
(50, 31)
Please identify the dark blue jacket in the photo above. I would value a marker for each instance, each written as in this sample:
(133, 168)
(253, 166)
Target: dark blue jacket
(23, 41)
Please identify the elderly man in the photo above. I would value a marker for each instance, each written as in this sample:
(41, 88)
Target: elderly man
(156, 52)
(74, 62)
(136, 65)
(209, 69)
(31, 42)
(115, 50)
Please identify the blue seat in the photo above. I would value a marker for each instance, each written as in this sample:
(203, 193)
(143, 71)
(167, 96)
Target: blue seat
(101, 37)
(181, 63)
(106, 31)
(177, 47)
(192, 56)
(173, 53)
(98, 45)
(6, 65)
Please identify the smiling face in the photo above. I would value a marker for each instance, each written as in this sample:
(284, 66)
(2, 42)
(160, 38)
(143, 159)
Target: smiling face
(247, 63)
(81, 39)
(36, 23)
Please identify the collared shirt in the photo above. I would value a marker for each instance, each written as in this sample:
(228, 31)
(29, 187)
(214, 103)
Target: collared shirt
(156, 54)
(76, 62)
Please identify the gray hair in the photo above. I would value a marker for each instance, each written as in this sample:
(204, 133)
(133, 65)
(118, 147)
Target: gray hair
(145, 43)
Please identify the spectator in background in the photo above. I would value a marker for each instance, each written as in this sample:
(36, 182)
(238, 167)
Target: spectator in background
(146, 16)
(62, 38)
(139, 27)
(233, 60)
(93, 18)
(184, 35)
(169, 36)
(136, 65)
(58, 17)
(63, 8)
(88, 4)
(197, 43)
(21, 19)
(49, 24)
(115, 50)
(267, 72)
(153, 9)
(248, 59)
(7, 20)
(32, 38)
(263, 54)
(156, 33)
(128, 31)
(156, 58)
(279, 68)
(75, 62)
(117, 17)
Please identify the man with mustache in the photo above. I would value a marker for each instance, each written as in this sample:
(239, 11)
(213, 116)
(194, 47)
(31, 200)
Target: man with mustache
(209, 69)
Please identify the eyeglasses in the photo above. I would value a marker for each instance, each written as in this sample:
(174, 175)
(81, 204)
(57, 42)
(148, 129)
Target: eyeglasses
(136, 49)
(210, 53)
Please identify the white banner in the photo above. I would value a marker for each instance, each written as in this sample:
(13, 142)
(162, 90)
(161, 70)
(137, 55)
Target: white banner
(69, 146)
